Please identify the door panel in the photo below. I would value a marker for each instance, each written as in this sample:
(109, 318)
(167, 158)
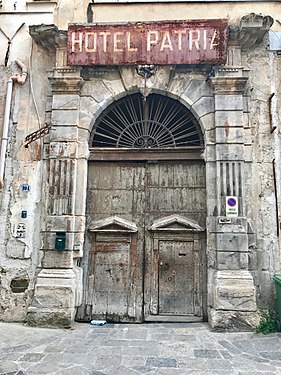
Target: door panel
(116, 189)
(176, 278)
(176, 187)
(113, 262)
(176, 288)
(121, 277)
(110, 283)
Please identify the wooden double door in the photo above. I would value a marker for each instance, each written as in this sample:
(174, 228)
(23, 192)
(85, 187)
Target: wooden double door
(145, 242)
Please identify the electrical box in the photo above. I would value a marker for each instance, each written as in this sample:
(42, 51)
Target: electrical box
(60, 240)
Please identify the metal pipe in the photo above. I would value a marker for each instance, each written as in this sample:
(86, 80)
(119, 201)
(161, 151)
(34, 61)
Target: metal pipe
(19, 78)
(272, 128)
(4, 141)
(276, 197)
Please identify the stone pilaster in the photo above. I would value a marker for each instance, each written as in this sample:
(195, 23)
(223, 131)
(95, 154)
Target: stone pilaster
(59, 280)
(231, 287)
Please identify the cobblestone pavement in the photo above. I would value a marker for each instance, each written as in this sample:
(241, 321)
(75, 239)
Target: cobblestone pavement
(132, 349)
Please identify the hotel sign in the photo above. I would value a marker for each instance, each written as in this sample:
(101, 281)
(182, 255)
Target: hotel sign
(160, 43)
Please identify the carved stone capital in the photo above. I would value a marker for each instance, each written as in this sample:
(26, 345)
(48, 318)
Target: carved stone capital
(66, 80)
(229, 85)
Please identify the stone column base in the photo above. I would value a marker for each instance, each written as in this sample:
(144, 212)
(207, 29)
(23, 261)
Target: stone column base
(234, 302)
(231, 321)
(53, 304)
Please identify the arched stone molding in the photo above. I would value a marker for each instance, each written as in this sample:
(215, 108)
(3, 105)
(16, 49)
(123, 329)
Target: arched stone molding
(96, 96)
(92, 104)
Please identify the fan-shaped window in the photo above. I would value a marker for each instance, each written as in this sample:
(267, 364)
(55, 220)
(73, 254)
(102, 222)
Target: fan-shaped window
(153, 122)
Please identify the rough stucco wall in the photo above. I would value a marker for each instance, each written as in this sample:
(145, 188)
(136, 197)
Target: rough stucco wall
(259, 189)
(19, 256)
(276, 121)
(75, 11)
(3, 78)
(276, 76)
(179, 11)
(71, 11)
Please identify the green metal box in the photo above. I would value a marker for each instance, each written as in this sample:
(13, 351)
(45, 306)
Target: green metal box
(60, 240)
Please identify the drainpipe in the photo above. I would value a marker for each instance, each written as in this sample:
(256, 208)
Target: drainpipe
(276, 197)
(19, 78)
(272, 128)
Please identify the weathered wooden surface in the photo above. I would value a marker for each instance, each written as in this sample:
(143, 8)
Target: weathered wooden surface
(167, 263)
(176, 278)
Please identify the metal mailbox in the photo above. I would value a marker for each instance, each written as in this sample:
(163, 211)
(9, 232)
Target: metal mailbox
(60, 240)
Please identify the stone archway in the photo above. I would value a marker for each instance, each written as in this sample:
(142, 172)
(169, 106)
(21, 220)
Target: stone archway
(156, 271)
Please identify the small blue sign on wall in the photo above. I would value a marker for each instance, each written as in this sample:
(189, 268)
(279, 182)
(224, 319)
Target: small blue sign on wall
(231, 206)
(25, 187)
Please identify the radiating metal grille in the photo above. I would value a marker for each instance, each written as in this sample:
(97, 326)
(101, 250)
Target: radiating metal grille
(153, 122)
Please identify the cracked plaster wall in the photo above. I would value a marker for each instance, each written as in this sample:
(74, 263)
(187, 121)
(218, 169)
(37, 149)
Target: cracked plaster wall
(19, 256)
(259, 188)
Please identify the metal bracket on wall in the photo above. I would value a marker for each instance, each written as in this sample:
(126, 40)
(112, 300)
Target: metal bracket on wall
(37, 134)
(146, 71)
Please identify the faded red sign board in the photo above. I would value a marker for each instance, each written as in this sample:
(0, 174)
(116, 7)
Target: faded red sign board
(169, 42)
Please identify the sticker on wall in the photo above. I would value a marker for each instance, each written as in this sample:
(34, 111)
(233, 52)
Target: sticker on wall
(231, 206)
(21, 231)
(25, 187)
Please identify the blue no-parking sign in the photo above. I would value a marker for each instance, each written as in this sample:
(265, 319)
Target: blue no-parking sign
(231, 206)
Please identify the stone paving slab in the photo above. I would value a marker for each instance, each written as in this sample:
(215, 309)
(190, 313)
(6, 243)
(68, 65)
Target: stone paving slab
(136, 349)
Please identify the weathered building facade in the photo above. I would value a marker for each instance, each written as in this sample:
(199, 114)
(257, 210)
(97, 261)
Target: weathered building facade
(141, 172)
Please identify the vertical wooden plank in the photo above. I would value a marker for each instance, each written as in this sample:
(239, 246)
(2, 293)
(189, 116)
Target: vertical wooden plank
(166, 278)
(199, 269)
(99, 292)
(184, 278)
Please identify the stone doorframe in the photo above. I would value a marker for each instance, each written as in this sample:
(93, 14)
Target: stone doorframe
(217, 100)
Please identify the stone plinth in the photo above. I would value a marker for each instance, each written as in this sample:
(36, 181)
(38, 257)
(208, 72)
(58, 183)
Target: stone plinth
(54, 300)
(234, 301)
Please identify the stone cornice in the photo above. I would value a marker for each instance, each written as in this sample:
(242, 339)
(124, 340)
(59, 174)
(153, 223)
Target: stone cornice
(228, 85)
(66, 85)
(48, 36)
(251, 30)
(66, 80)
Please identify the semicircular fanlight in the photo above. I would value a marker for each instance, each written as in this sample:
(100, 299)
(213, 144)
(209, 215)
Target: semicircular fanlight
(153, 122)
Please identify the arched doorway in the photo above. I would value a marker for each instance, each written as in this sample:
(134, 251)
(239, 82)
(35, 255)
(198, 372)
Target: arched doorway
(156, 121)
(146, 210)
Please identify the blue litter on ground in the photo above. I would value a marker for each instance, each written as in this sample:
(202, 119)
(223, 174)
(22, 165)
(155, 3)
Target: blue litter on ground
(98, 322)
